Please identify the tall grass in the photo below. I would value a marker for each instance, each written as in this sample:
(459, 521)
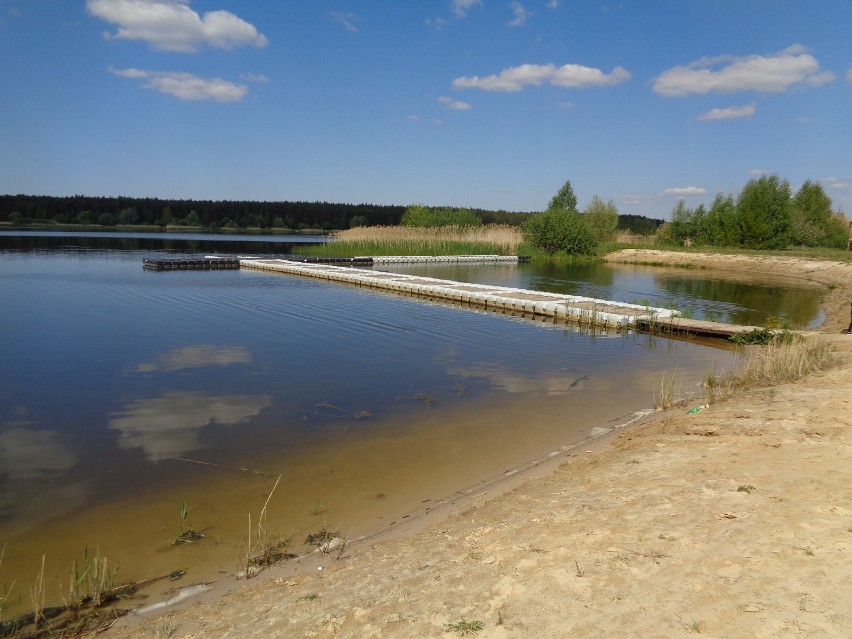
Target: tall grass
(776, 363)
(406, 240)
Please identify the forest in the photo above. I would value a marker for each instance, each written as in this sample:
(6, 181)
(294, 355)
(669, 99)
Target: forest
(227, 215)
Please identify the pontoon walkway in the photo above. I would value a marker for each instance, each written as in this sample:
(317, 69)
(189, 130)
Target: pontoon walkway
(568, 308)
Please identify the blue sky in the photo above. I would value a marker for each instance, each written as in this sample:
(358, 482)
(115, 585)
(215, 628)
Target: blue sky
(481, 103)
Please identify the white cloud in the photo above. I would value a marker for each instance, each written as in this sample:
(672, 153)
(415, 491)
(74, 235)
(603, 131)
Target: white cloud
(346, 19)
(567, 76)
(460, 8)
(726, 74)
(684, 191)
(520, 13)
(849, 74)
(186, 86)
(730, 113)
(455, 105)
(553, 4)
(170, 25)
(254, 77)
(832, 182)
(758, 172)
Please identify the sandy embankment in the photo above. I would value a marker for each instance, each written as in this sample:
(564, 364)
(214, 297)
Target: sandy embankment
(732, 522)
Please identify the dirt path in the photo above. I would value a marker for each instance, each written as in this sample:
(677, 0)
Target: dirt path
(735, 521)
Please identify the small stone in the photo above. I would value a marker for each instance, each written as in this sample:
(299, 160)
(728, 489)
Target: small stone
(752, 608)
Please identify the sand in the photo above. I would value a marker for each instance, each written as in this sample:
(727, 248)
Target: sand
(734, 521)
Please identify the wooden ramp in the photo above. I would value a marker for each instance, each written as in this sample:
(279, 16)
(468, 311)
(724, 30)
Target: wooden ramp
(568, 308)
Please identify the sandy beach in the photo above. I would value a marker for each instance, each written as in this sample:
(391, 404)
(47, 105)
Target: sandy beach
(733, 521)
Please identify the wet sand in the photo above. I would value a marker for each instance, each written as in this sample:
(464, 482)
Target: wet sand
(734, 521)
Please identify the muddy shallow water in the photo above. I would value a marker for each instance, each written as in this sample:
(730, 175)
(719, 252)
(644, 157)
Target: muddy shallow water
(127, 393)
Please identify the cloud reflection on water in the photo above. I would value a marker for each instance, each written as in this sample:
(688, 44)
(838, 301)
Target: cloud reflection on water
(549, 383)
(195, 357)
(168, 426)
(32, 463)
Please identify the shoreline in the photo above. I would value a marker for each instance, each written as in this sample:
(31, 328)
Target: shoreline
(344, 582)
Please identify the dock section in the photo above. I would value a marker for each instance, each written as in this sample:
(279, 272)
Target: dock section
(568, 308)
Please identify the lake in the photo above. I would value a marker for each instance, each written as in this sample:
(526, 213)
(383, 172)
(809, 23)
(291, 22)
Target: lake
(126, 393)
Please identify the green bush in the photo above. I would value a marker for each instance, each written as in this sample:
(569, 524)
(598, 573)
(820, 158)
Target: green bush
(557, 231)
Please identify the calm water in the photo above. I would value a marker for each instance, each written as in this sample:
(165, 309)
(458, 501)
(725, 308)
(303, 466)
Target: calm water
(125, 392)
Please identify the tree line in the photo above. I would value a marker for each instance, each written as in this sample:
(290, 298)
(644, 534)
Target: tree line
(212, 214)
(765, 215)
(234, 215)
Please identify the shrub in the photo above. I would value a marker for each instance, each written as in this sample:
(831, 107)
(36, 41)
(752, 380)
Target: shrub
(557, 231)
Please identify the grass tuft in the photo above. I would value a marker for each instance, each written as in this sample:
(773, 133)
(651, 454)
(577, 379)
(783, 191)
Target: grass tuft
(465, 627)
(668, 394)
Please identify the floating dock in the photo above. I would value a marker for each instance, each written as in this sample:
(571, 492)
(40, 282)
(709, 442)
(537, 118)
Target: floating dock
(182, 265)
(568, 308)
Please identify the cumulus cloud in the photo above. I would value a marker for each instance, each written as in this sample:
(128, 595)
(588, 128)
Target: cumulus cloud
(460, 8)
(170, 25)
(455, 105)
(520, 13)
(346, 19)
(186, 86)
(571, 76)
(777, 72)
(730, 113)
(684, 191)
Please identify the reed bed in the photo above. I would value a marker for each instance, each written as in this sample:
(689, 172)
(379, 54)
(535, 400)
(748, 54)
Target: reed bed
(406, 240)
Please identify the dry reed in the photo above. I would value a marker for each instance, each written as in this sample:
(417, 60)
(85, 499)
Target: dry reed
(778, 362)
(507, 237)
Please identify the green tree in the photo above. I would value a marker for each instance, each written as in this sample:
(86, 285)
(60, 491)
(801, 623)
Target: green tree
(720, 224)
(812, 215)
(681, 230)
(764, 213)
(85, 217)
(564, 200)
(358, 220)
(128, 215)
(167, 216)
(602, 218)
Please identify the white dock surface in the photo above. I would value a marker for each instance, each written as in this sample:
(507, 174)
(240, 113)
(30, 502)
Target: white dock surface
(583, 310)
